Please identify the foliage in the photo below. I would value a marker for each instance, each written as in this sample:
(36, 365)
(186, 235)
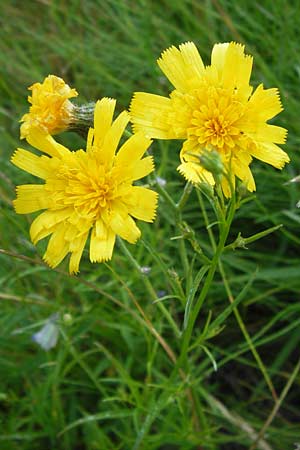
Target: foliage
(110, 382)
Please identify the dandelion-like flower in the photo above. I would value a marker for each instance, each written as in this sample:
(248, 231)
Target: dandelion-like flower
(87, 193)
(51, 110)
(213, 108)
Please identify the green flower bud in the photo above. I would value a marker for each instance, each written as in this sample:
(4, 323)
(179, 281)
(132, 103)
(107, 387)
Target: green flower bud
(212, 162)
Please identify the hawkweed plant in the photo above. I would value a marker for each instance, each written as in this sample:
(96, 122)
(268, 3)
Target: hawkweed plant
(96, 195)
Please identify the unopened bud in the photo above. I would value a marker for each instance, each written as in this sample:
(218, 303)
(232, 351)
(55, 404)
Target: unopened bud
(67, 319)
(211, 161)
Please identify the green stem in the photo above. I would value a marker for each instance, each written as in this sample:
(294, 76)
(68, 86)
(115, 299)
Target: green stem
(207, 283)
(242, 242)
(185, 195)
(204, 214)
(184, 257)
(166, 196)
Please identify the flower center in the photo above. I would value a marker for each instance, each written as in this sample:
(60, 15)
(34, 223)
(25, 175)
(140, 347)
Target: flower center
(216, 127)
(90, 195)
(84, 185)
(214, 121)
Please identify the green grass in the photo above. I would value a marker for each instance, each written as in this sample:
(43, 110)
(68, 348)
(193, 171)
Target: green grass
(109, 383)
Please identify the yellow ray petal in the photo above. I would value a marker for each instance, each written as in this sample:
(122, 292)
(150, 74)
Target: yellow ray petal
(149, 113)
(142, 203)
(195, 173)
(57, 248)
(101, 228)
(40, 166)
(71, 235)
(273, 133)
(142, 168)
(263, 132)
(103, 116)
(271, 154)
(240, 158)
(45, 143)
(237, 67)
(133, 149)
(136, 170)
(89, 140)
(101, 246)
(113, 136)
(243, 172)
(226, 188)
(42, 232)
(264, 104)
(31, 198)
(77, 248)
(124, 226)
(192, 58)
(183, 67)
(82, 224)
(46, 223)
(218, 55)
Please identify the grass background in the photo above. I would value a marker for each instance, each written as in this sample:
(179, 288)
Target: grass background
(106, 384)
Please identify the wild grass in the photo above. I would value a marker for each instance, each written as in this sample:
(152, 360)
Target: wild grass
(110, 382)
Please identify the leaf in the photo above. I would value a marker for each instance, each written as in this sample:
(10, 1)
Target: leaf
(96, 417)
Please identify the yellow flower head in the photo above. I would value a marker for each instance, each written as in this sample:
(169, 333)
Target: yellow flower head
(87, 193)
(213, 108)
(50, 110)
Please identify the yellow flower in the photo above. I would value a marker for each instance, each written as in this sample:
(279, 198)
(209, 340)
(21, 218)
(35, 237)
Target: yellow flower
(213, 108)
(50, 110)
(87, 193)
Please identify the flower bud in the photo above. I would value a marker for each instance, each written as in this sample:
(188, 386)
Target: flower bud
(51, 110)
(67, 319)
(211, 161)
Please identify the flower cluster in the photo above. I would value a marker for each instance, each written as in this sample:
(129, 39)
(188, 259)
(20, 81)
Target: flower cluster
(87, 193)
(90, 195)
(213, 108)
